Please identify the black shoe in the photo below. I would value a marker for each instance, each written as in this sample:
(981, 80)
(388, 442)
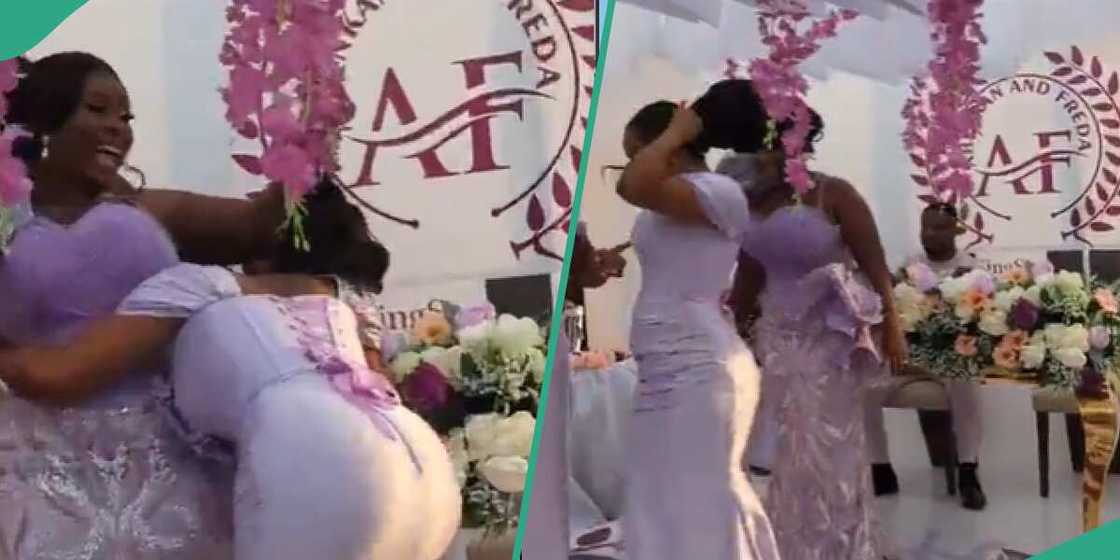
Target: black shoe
(884, 479)
(972, 495)
(759, 471)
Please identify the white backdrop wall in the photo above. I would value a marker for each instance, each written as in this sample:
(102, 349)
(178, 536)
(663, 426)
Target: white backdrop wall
(651, 57)
(519, 75)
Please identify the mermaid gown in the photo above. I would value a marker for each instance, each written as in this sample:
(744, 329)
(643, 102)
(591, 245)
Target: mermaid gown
(330, 465)
(686, 495)
(815, 346)
(111, 478)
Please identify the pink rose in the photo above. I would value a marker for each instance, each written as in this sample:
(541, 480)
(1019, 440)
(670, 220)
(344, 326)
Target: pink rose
(966, 345)
(1107, 300)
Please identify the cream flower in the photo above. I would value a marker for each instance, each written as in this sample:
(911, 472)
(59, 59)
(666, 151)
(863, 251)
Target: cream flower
(482, 432)
(1033, 294)
(507, 474)
(1069, 282)
(476, 337)
(953, 288)
(994, 322)
(1006, 299)
(404, 364)
(537, 364)
(515, 337)
(1071, 357)
(1062, 337)
(514, 435)
(447, 360)
(460, 459)
(1033, 354)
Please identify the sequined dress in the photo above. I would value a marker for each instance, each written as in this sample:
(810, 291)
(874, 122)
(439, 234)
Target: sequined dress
(111, 478)
(686, 495)
(818, 357)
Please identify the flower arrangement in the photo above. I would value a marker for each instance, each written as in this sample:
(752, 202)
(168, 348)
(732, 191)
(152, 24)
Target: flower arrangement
(477, 378)
(15, 186)
(286, 89)
(943, 113)
(1052, 325)
(777, 79)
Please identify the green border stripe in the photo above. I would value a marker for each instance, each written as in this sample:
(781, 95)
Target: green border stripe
(558, 307)
(27, 22)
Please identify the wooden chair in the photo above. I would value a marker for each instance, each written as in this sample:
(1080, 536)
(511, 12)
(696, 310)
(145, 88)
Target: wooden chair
(930, 398)
(1049, 401)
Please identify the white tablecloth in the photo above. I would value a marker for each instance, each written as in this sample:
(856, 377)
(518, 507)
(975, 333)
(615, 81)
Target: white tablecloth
(600, 410)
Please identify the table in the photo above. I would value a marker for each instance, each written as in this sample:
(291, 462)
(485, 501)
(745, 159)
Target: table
(1102, 430)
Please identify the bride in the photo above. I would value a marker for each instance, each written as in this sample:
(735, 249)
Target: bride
(329, 464)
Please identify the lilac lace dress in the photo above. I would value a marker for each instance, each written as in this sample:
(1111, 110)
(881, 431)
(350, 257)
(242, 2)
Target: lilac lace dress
(330, 465)
(109, 479)
(686, 495)
(815, 346)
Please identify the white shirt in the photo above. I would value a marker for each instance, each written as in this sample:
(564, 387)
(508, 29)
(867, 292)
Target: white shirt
(945, 268)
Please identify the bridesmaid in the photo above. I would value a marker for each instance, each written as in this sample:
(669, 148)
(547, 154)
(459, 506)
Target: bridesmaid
(110, 477)
(814, 270)
(686, 496)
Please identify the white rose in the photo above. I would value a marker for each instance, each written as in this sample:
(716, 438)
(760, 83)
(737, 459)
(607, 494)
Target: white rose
(1044, 280)
(966, 313)
(514, 435)
(1033, 294)
(457, 450)
(1069, 282)
(447, 360)
(482, 432)
(1032, 355)
(507, 474)
(537, 364)
(907, 296)
(404, 364)
(515, 337)
(476, 337)
(1061, 337)
(953, 288)
(1006, 299)
(910, 319)
(994, 322)
(1071, 357)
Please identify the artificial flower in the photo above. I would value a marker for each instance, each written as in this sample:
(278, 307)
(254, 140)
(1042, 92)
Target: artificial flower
(516, 336)
(1033, 354)
(471, 316)
(972, 302)
(1005, 357)
(1059, 337)
(1099, 337)
(1069, 282)
(1071, 357)
(1005, 299)
(507, 474)
(481, 431)
(404, 364)
(1033, 295)
(1015, 339)
(982, 281)
(456, 444)
(537, 364)
(1017, 276)
(966, 345)
(993, 322)
(1106, 300)
(514, 435)
(426, 389)
(922, 276)
(432, 328)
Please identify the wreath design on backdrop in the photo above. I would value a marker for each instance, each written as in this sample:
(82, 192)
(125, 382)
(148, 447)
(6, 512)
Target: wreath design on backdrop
(545, 211)
(1099, 203)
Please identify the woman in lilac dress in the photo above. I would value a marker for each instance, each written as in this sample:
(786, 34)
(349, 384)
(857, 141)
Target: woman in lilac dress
(817, 272)
(330, 465)
(109, 477)
(686, 496)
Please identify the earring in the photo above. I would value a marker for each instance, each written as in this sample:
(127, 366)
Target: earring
(46, 142)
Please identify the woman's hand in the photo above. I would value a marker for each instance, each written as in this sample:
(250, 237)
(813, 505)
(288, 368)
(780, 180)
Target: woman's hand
(895, 348)
(685, 126)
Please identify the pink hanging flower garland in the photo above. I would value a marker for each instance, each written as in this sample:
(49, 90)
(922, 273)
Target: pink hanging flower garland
(944, 112)
(286, 88)
(778, 81)
(15, 185)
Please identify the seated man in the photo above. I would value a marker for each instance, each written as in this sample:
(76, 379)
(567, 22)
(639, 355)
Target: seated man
(939, 235)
